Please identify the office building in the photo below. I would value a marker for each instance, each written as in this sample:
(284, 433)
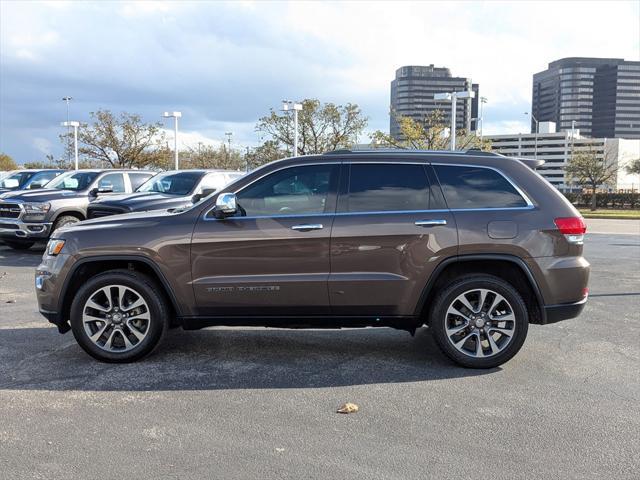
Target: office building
(412, 94)
(556, 148)
(598, 96)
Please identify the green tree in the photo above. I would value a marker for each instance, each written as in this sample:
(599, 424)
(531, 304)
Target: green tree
(7, 163)
(431, 132)
(268, 152)
(124, 141)
(321, 127)
(586, 169)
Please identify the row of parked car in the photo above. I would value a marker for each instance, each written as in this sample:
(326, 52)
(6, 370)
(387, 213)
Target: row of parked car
(34, 203)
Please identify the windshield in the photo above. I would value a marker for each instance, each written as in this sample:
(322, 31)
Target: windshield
(16, 180)
(42, 178)
(173, 183)
(75, 181)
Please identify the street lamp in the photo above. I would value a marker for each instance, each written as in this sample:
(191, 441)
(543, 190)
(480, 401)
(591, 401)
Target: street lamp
(453, 97)
(175, 116)
(68, 99)
(535, 148)
(483, 100)
(228, 134)
(286, 106)
(75, 126)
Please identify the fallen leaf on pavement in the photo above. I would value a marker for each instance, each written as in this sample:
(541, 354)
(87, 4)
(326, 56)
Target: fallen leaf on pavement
(348, 408)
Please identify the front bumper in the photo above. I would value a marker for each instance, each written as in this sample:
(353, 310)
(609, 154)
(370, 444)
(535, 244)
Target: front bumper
(564, 311)
(15, 229)
(49, 279)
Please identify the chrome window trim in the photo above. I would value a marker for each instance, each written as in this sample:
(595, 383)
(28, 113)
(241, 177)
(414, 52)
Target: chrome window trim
(380, 212)
(529, 206)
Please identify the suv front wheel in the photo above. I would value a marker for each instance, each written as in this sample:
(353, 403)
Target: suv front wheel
(118, 316)
(480, 321)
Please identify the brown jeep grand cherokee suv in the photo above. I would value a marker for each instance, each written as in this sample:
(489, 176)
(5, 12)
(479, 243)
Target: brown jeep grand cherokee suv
(474, 245)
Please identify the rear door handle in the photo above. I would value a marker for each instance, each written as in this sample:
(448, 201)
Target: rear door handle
(307, 227)
(430, 223)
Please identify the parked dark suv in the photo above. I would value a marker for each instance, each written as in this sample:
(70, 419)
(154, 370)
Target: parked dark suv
(474, 245)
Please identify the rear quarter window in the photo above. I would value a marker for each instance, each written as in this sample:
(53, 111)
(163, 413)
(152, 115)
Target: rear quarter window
(477, 187)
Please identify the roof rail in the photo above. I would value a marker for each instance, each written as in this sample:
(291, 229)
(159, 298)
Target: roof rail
(339, 152)
(477, 151)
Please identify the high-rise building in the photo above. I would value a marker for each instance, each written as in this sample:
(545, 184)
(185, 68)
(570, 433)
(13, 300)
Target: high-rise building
(412, 94)
(557, 148)
(599, 96)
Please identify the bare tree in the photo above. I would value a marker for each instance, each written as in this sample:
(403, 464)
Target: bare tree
(121, 142)
(586, 169)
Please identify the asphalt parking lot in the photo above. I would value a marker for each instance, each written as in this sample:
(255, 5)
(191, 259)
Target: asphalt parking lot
(260, 404)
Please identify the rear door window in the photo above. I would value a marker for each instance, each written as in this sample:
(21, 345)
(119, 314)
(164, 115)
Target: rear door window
(113, 182)
(467, 187)
(388, 187)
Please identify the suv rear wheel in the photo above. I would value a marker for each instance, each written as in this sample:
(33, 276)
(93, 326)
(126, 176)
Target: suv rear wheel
(118, 316)
(480, 321)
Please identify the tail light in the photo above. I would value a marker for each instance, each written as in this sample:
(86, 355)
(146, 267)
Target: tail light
(573, 228)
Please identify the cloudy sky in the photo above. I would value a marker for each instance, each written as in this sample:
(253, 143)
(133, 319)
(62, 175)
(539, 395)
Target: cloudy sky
(225, 64)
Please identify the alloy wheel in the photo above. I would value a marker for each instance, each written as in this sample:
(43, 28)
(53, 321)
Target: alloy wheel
(480, 323)
(116, 318)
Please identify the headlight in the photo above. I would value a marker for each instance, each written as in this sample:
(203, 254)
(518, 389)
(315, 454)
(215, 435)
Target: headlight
(36, 207)
(54, 247)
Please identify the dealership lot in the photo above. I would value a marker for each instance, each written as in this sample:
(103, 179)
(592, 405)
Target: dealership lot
(258, 403)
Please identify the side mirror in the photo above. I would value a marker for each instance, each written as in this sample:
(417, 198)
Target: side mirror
(204, 193)
(93, 192)
(225, 205)
(35, 185)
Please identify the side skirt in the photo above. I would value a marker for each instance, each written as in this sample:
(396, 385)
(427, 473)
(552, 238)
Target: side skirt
(401, 323)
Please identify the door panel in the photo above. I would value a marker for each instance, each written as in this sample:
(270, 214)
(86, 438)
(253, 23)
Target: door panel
(380, 263)
(273, 258)
(261, 266)
(381, 260)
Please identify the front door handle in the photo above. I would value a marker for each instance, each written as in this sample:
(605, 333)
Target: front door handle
(430, 223)
(307, 227)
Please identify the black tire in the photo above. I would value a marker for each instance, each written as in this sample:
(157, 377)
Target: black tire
(63, 221)
(17, 245)
(446, 297)
(142, 285)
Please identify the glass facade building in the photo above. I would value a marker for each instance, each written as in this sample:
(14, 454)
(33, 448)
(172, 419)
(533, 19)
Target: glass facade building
(412, 94)
(598, 96)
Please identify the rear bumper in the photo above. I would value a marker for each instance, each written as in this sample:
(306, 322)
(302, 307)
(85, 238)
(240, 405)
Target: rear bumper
(565, 311)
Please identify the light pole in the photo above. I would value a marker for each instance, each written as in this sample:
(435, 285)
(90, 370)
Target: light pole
(75, 126)
(535, 142)
(453, 97)
(175, 116)
(483, 100)
(286, 106)
(68, 99)
(229, 135)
